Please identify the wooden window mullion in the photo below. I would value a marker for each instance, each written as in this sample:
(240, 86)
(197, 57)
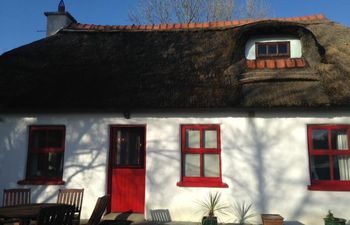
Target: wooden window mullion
(201, 157)
(330, 153)
(43, 152)
(331, 183)
(201, 180)
(268, 53)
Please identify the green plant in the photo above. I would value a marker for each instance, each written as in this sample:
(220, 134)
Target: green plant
(329, 215)
(331, 220)
(243, 213)
(212, 205)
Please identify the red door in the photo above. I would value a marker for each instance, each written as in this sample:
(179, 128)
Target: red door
(127, 171)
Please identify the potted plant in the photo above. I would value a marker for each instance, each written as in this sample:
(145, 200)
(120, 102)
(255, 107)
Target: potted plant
(243, 213)
(211, 207)
(331, 220)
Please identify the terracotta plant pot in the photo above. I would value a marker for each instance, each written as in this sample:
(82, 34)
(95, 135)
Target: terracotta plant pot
(271, 219)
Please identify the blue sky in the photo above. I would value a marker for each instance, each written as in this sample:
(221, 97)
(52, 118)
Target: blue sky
(23, 21)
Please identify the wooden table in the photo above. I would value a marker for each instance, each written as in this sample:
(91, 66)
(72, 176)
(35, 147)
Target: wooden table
(24, 212)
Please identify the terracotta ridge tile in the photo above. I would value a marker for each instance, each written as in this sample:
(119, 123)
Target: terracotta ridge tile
(201, 25)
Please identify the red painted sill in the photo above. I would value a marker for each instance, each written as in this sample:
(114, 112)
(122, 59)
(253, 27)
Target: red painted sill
(202, 184)
(41, 182)
(328, 188)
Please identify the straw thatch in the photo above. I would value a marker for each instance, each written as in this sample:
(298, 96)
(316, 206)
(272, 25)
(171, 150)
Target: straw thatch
(198, 68)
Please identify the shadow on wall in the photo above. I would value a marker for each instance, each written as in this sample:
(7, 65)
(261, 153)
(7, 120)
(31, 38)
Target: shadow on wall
(266, 147)
(87, 138)
(255, 148)
(13, 145)
(251, 145)
(85, 141)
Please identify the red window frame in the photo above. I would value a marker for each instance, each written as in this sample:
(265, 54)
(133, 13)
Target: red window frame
(268, 55)
(200, 181)
(332, 184)
(38, 180)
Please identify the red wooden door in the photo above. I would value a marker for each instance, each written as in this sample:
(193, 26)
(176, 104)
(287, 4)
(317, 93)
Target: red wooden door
(127, 173)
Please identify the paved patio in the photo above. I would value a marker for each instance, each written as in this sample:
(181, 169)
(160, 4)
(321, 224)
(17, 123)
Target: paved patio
(136, 219)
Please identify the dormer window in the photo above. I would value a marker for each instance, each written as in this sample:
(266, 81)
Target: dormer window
(272, 49)
(274, 52)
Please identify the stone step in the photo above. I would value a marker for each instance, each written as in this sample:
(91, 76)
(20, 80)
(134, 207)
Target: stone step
(124, 218)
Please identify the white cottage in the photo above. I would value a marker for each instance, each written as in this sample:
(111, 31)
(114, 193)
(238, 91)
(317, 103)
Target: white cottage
(158, 116)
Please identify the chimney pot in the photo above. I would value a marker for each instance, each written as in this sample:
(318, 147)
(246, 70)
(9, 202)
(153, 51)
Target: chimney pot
(61, 6)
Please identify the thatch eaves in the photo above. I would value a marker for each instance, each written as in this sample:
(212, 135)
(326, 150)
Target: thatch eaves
(174, 66)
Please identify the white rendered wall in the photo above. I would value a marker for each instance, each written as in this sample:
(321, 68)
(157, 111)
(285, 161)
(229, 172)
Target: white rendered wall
(264, 162)
(295, 46)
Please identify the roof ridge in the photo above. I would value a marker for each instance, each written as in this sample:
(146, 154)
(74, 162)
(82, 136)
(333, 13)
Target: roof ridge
(183, 26)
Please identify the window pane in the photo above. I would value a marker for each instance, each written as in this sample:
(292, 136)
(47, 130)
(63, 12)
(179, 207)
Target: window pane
(211, 165)
(320, 139)
(210, 139)
(192, 165)
(192, 138)
(282, 48)
(272, 49)
(339, 139)
(320, 169)
(45, 165)
(54, 138)
(129, 147)
(341, 167)
(262, 50)
(38, 139)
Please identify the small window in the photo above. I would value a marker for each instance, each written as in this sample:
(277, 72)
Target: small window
(128, 147)
(329, 157)
(45, 153)
(201, 156)
(272, 49)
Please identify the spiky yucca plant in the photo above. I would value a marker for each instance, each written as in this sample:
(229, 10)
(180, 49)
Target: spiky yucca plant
(213, 205)
(243, 213)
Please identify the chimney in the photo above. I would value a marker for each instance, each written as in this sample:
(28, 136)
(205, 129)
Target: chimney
(58, 20)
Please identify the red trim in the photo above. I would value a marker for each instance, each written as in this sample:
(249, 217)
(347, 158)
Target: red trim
(41, 182)
(111, 156)
(332, 184)
(46, 128)
(200, 181)
(201, 184)
(44, 150)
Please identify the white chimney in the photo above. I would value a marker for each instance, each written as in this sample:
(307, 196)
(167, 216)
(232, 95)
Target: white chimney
(58, 20)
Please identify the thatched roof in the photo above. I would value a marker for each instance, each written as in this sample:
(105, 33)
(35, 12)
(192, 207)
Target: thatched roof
(104, 68)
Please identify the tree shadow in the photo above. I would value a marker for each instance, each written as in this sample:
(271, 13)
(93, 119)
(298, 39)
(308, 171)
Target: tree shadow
(261, 155)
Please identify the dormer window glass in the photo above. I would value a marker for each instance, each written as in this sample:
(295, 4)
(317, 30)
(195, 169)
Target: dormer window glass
(272, 49)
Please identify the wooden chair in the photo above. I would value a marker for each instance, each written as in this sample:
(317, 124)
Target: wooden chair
(56, 215)
(20, 196)
(72, 197)
(160, 215)
(99, 209)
